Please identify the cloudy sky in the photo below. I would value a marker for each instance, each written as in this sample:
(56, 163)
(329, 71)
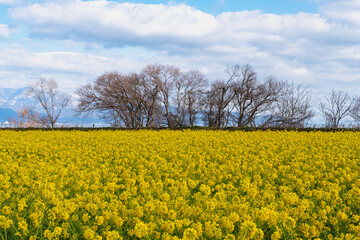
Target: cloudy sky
(313, 42)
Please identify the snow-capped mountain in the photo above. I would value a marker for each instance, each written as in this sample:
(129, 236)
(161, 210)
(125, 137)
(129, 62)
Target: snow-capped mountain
(13, 99)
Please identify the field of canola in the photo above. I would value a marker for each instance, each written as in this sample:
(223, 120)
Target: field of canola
(179, 185)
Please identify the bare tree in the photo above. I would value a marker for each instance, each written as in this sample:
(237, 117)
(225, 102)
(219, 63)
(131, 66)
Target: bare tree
(50, 98)
(164, 78)
(293, 106)
(108, 96)
(178, 93)
(355, 110)
(27, 117)
(125, 100)
(335, 107)
(194, 84)
(218, 100)
(253, 99)
(240, 99)
(21, 118)
(149, 99)
(34, 119)
(187, 90)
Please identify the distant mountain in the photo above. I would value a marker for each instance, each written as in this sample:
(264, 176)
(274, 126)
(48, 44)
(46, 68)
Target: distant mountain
(6, 113)
(13, 98)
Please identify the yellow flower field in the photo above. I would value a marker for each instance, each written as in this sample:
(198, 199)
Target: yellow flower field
(179, 185)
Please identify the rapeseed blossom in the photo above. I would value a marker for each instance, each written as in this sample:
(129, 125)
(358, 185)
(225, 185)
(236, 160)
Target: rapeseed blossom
(179, 185)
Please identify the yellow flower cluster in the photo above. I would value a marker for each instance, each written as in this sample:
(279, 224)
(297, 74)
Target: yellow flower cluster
(179, 185)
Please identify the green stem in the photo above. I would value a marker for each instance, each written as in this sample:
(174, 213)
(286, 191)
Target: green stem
(243, 238)
(355, 235)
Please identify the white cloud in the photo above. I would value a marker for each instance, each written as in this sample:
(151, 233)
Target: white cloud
(4, 31)
(19, 66)
(116, 24)
(319, 49)
(8, 2)
(174, 27)
(344, 12)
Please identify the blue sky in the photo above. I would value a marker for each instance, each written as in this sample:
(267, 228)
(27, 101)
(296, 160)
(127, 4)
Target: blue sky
(218, 6)
(313, 42)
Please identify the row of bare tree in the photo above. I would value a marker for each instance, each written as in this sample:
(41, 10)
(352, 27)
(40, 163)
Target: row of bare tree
(158, 96)
(242, 100)
(163, 95)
